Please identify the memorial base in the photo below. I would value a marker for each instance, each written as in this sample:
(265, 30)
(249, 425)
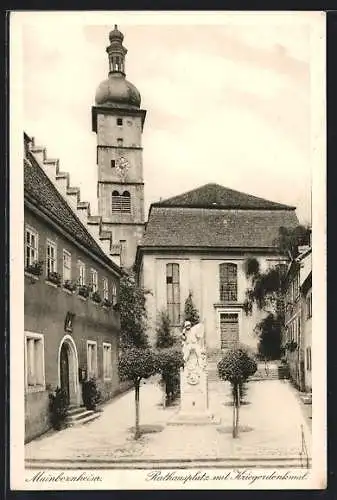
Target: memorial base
(184, 418)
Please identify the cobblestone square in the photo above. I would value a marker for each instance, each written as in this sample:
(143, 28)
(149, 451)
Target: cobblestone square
(271, 420)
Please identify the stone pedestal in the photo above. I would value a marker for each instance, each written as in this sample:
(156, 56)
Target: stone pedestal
(194, 397)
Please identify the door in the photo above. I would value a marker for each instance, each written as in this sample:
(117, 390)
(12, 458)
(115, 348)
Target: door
(229, 330)
(64, 370)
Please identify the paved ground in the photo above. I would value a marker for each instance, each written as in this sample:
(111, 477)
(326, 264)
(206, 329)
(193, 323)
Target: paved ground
(271, 423)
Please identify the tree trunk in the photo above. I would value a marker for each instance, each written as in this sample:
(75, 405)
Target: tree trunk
(237, 410)
(137, 429)
(234, 419)
(236, 397)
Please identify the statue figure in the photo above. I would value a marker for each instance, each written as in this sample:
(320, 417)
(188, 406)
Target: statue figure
(193, 343)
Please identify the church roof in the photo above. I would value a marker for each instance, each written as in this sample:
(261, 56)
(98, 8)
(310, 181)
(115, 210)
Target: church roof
(41, 192)
(216, 228)
(216, 196)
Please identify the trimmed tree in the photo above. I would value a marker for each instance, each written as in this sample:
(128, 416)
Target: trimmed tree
(137, 360)
(169, 359)
(164, 337)
(135, 364)
(190, 311)
(235, 367)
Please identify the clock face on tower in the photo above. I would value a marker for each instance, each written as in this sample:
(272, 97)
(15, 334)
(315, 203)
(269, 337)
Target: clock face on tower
(122, 166)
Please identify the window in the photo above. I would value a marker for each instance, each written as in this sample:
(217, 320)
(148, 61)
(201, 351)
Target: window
(228, 283)
(107, 361)
(173, 293)
(120, 142)
(114, 293)
(119, 121)
(105, 289)
(123, 249)
(229, 330)
(92, 358)
(113, 163)
(66, 265)
(51, 257)
(34, 361)
(93, 280)
(31, 244)
(309, 305)
(121, 203)
(81, 273)
(308, 359)
(296, 287)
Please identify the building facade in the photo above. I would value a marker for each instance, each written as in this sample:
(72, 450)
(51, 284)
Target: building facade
(118, 122)
(199, 242)
(71, 287)
(298, 311)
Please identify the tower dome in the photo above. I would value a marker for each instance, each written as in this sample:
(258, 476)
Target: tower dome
(116, 90)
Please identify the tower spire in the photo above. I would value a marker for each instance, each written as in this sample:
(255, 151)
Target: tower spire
(116, 51)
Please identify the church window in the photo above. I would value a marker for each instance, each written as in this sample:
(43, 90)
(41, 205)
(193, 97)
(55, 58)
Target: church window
(120, 142)
(113, 163)
(119, 121)
(228, 282)
(173, 293)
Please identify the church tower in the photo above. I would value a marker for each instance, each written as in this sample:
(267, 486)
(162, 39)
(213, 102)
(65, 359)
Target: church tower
(118, 122)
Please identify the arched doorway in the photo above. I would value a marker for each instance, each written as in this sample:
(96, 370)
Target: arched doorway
(68, 370)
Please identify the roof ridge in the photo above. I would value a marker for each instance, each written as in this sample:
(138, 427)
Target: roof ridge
(213, 195)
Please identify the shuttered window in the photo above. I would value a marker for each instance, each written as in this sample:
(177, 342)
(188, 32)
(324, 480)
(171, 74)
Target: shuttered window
(229, 330)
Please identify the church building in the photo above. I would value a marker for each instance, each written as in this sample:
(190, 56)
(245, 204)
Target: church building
(195, 242)
(199, 242)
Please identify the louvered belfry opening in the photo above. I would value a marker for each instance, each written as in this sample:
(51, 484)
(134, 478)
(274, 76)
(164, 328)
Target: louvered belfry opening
(121, 202)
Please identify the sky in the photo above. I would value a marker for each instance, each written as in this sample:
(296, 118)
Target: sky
(229, 102)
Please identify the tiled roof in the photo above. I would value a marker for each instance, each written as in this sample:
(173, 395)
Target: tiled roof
(40, 191)
(216, 196)
(199, 227)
